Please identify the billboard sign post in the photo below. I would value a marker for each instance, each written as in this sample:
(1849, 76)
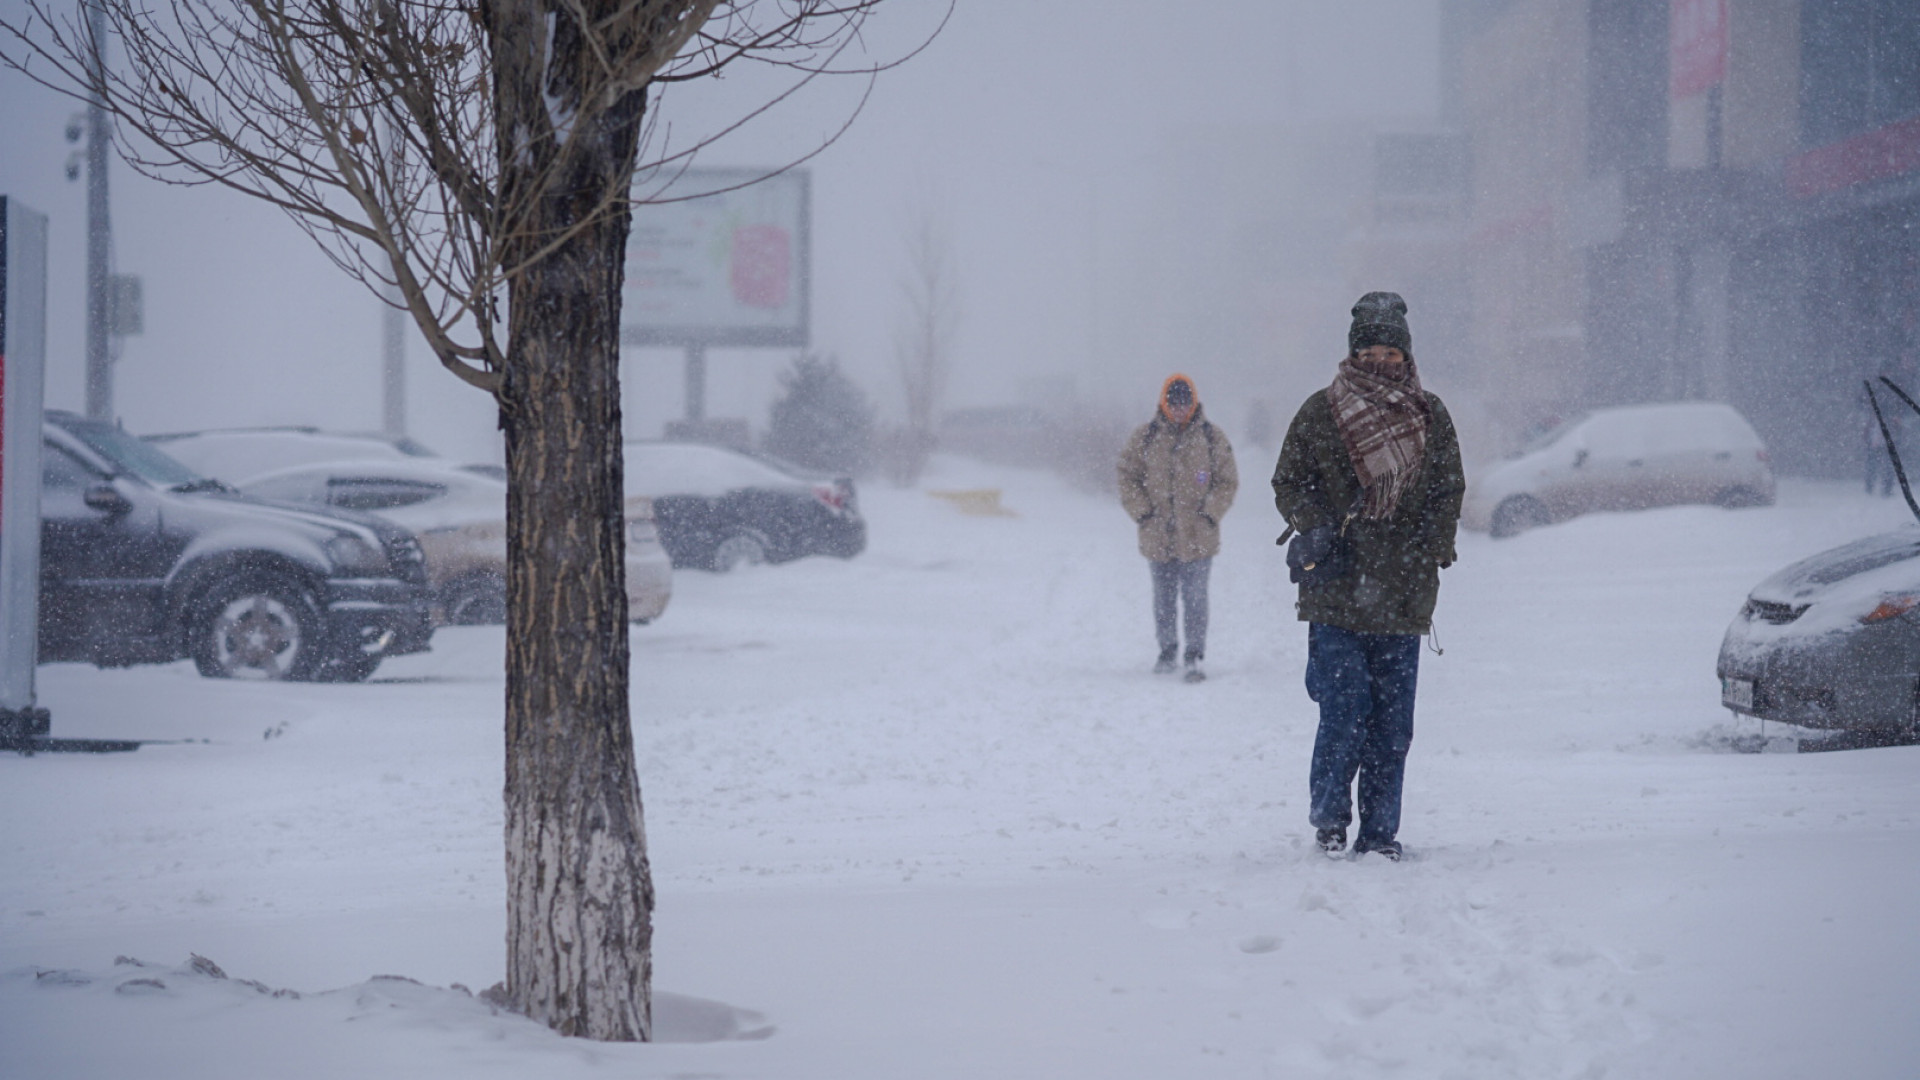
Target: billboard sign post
(23, 340)
(24, 725)
(728, 269)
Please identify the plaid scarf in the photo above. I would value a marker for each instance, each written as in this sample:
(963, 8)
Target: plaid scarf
(1382, 416)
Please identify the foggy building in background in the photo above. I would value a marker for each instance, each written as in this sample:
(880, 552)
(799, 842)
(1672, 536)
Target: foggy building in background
(1244, 277)
(1698, 199)
(1405, 227)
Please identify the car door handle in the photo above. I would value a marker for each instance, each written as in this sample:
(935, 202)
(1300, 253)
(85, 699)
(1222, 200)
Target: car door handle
(105, 499)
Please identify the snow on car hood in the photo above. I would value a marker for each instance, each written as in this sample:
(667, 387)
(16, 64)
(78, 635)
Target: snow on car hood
(1847, 569)
(1829, 592)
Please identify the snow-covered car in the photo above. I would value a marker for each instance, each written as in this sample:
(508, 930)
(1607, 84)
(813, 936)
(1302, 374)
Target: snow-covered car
(238, 455)
(460, 516)
(718, 509)
(1626, 458)
(142, 560)
(1832, 641)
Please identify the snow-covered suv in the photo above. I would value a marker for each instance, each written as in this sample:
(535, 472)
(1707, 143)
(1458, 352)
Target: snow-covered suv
(143, 561)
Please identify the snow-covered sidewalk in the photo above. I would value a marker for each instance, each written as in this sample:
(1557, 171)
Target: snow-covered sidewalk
(926, 814)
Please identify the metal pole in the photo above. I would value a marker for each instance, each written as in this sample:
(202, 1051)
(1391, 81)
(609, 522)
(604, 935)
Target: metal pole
(393, 342)
(393, 355)
(99, 229)
(696, 382)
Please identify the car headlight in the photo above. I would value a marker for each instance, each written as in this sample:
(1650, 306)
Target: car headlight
(354, 556)
(1892, 607)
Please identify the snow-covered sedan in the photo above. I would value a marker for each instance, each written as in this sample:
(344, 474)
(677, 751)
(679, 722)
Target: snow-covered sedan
(719, 509)
(1626, 458)
(460, 515)
(1833, 641)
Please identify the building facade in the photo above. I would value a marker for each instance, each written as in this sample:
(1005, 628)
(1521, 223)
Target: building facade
(1691, 199)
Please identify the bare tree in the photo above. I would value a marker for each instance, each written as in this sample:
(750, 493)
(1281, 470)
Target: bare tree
(477, 159)
(923, 341)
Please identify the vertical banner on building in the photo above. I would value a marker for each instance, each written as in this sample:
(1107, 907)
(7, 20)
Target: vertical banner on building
(23, 339)
(1697, 47)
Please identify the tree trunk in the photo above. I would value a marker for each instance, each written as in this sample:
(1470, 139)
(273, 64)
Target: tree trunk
(579, 892)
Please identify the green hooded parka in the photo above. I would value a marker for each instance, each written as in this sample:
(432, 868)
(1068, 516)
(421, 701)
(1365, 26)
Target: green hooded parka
(1395, 580)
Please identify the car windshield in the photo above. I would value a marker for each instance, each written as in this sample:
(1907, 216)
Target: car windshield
(1548, 433)
(137, 456)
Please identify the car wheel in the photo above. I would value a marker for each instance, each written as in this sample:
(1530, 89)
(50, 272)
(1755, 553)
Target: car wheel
(1516, 515)
(740, 549)
(1740, 498)
(478, 601)
(259, 626)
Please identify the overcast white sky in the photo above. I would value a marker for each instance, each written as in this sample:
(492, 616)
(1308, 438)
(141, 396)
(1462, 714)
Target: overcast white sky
(1038, 132)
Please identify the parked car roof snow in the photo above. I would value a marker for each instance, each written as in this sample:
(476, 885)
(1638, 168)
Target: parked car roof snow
(238, 455)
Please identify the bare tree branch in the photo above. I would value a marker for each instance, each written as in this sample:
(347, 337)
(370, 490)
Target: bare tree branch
(377, 124)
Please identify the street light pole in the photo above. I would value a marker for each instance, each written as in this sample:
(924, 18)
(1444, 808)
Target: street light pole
(99, 229)
(393, 327)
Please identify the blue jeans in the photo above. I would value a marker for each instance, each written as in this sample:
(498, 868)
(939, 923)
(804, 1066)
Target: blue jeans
(1186, 581)
(1364, 684)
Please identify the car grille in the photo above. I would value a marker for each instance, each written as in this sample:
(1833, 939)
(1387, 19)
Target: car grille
(1768, 611)
(408, 561)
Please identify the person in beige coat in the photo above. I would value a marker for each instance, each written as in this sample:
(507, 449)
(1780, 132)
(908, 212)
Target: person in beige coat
(1177, 480)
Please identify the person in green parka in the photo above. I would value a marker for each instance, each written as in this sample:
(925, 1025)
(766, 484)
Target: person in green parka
(1375, 453)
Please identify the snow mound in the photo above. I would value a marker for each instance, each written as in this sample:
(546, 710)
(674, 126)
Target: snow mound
(391, 1018)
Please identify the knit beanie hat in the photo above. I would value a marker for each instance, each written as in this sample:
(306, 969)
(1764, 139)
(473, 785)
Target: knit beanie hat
(1380, 318)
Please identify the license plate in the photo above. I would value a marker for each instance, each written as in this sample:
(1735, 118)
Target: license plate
(1737, 693)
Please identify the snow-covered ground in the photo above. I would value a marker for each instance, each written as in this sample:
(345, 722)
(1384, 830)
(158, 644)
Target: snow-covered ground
(926, 814)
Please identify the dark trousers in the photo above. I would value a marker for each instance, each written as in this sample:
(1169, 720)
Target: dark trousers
(1364, 684)
(1186, 583)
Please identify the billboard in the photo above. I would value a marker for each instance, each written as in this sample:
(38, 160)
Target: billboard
(724, 269)
(23, 341)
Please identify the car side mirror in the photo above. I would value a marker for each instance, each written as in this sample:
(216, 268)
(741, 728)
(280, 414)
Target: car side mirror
(104, 498)
(1579, 457)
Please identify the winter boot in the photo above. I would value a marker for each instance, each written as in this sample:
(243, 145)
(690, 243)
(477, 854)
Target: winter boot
(1165, 665)
(1389, 848)
(1332, 841)
(1194, 672)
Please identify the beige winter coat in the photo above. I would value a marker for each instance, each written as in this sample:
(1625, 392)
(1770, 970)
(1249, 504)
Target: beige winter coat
(1176, 481)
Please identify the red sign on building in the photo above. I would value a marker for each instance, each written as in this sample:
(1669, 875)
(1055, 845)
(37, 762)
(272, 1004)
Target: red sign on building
(1697, 47)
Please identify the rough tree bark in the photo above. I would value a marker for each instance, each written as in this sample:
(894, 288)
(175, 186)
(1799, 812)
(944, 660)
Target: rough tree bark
(579, 892)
